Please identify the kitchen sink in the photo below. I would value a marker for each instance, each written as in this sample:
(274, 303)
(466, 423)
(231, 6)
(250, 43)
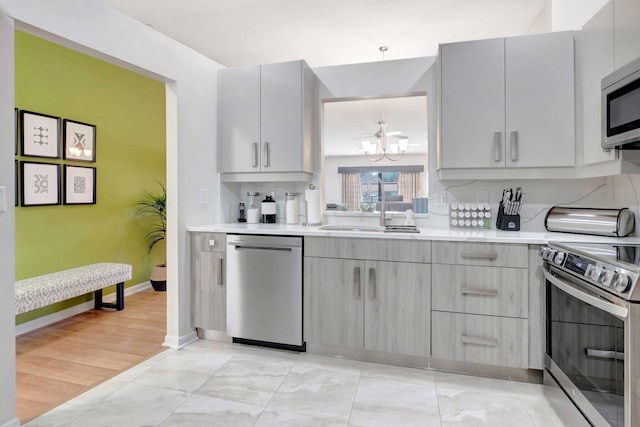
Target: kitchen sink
(372, 228)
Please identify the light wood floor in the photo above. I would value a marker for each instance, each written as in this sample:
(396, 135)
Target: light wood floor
(60, 361)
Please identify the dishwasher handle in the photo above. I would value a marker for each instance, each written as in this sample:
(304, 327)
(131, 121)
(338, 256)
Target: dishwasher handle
(262, 248)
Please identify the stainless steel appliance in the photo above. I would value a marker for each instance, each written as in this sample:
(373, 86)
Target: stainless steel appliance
(621, 107)
(597, 221)
(264, 290)
(593, 328)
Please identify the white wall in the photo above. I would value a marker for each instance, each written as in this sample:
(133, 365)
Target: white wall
(95, 29)
(572, 14)
(7, 231)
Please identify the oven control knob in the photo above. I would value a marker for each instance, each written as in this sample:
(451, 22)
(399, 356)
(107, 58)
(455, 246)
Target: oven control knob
(595, 273)
(559, 258)
(551, 253)
(543, 251)
(621, 283)
(609, 278)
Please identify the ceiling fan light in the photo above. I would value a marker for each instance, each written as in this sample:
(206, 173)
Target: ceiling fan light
(403, 143)
(393, 147)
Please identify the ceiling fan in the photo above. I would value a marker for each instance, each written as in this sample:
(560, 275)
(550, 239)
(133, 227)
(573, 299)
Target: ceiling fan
(382, 147)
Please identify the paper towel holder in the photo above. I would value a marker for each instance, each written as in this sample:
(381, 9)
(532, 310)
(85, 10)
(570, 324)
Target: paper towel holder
(306, 211)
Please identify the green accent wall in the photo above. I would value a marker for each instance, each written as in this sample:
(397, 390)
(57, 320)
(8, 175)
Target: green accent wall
(129, 112)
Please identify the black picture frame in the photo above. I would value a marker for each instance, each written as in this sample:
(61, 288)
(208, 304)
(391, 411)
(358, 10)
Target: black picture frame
(16, 130)
(79, 185)
(40, 184)
(79, 141)
(39, 135)
(17, 184)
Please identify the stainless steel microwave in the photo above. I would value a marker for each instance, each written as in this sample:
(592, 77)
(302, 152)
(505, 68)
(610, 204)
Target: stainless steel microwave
(621, 107)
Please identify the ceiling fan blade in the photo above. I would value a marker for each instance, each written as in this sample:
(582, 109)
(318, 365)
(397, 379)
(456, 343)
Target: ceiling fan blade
(397, 132)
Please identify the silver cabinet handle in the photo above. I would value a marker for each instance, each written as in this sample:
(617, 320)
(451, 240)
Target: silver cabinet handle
(220, 275)
(254, 155)
(265, 154)
(479, 255)
(514, 145)
(356, 282)
(372, 282)
(605, 354)
(497, 147)
(479, 291)
(466, 339)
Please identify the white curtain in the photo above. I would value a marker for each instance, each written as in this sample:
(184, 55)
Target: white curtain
(409, 185)
(351, 191)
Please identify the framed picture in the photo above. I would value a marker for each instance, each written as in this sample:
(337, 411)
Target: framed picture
(79, 185)
(40, 184)
(40, 136)
(17, 186)
(16, 132)
(79, 141)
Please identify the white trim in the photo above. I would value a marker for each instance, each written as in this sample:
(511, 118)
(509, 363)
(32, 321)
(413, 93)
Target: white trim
(12, 423)
(72, 311)
(177, 343)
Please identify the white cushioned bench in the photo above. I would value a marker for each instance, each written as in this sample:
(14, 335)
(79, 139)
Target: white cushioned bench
(47, 289)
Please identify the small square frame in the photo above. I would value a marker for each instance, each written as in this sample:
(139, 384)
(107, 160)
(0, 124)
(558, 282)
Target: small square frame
(79, 141)
(40, 135)
(79, 185)
(40, 184)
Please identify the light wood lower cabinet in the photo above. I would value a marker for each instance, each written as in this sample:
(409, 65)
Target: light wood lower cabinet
(491, 340)
(208, 285)
(366, 304)
(480, 303)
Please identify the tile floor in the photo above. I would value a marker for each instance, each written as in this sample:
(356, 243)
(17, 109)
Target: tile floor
(217, 384)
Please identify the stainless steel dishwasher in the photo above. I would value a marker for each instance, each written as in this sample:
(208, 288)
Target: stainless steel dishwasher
(264, 290)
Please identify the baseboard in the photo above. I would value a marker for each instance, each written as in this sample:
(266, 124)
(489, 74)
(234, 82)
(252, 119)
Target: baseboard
(11, 423)
(72, 311)
(181, 341)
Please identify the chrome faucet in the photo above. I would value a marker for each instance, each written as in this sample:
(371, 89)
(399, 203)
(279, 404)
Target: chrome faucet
(382, 201)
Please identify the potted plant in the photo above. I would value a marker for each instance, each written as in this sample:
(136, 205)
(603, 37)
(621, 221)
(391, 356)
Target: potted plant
(154, 207)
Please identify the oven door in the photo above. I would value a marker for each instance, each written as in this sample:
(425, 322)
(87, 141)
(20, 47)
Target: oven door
(585, 346)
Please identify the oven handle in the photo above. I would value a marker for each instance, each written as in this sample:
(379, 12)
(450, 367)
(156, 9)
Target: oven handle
(605, 354)
(610, 308)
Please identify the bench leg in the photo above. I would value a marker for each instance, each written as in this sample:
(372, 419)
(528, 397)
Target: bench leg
(119, 305)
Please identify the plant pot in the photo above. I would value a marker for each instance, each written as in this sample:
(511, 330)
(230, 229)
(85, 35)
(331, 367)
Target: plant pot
(158, 278)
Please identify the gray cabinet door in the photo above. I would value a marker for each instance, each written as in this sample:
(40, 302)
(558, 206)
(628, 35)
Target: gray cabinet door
(397, 307)
(540, 107)
(472, 104)
(334, 301)
(281, 117)
(627, 31)
(239, 114)
(209, 291)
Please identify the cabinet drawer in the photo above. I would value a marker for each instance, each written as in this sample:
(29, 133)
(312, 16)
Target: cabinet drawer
(493, 291)
(372, 249)
(209, 242)
(490, 340)
(474, 253)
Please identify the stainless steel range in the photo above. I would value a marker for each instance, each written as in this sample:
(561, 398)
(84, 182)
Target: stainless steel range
(593, 328)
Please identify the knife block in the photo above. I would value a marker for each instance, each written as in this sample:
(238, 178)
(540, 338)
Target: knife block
(507, 222)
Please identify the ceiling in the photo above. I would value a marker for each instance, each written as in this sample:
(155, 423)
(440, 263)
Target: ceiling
(331, 32)
(337, 32)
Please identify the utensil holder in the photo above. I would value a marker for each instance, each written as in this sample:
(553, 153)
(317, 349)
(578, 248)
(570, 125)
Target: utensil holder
(507, 222)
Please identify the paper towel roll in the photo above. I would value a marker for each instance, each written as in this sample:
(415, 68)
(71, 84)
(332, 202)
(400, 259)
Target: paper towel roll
(312, 199)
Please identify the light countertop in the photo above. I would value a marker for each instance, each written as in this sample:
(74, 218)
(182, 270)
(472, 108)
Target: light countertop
(426, 233)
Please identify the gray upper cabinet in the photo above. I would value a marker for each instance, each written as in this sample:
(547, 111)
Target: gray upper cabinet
(266, 114)
(626, 31)
(507, 103)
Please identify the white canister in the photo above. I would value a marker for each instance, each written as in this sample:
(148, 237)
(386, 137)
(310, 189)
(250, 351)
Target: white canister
(292, 208)
(253, 216)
